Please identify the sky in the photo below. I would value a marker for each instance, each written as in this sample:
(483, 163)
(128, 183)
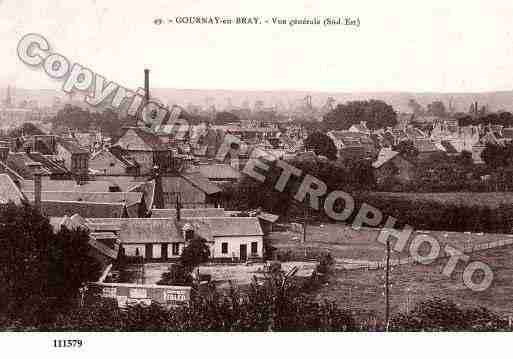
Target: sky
(421, 46)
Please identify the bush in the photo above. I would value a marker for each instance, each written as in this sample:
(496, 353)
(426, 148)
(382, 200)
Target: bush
(325, 263)
(444, 315)
(177, 275)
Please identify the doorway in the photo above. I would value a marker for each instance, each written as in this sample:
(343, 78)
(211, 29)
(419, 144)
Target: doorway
(243, 252)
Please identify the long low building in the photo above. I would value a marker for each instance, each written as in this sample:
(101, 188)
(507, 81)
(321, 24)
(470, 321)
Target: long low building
(236, 238)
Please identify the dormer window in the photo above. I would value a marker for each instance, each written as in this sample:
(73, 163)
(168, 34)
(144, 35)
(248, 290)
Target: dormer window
(188, 232)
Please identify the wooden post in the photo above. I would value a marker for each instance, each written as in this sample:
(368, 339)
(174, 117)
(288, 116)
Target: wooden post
(387, 284)
(304, 229)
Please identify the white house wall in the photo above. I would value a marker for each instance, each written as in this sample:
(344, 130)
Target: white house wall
(234, 246)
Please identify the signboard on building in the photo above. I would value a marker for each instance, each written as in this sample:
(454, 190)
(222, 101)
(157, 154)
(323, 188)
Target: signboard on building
(130, 294)
(138, 293)
(176, 296)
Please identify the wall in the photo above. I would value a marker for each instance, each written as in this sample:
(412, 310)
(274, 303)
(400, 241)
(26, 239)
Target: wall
(130, 250)
(64, 154)
(107, 164)
(234, 246)
(144, 159)
(131, 293)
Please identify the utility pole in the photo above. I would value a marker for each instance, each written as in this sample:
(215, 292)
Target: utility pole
(304, 228)
(387, 284)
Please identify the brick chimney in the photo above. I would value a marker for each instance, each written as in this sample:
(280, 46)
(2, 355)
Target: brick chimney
(178, 209)
(4, 152)
(158, 200)
(38, 186)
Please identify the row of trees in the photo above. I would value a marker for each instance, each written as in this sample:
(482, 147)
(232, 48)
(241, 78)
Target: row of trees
(82, 119)
(504, 119)
(434, 215)
(377, 114)
(272, 308)
(349, 177)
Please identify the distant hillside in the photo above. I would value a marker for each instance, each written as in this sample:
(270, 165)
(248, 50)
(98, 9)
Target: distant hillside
(399, 100)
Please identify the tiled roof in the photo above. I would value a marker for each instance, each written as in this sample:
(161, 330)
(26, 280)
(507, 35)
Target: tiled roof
(188, 212)
(448, 146)
(98, 197)
(349, 138)
(148, 190)
(89, 186)
(507, 132)
(415, 133)
(117, 152)
(268, 217)
(383, 157)
(19, 163)
(149, 139)
(144, 230)
(232, 226)
(84, 209)
(71, 146)
(46, 161)
(103, 248)
(425, 146)
(9, 191)
(202, 183)
(218, 171)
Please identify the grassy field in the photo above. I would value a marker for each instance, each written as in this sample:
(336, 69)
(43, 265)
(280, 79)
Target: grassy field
(489, 199)
(344, 242)
(363, 289)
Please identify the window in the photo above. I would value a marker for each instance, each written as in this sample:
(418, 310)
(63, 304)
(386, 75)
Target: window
(254, 247)
(175, 249)
(224, 247)
(189, 234)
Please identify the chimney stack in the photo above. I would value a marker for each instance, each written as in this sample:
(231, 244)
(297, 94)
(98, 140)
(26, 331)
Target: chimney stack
(4, 152)
(178, 209)
(37, 190)
(146, 85)
(158, 200)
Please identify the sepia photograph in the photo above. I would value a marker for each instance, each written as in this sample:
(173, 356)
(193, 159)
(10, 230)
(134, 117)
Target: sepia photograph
(174, 171)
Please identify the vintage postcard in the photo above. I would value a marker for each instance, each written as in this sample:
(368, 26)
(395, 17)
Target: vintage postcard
(169, 168)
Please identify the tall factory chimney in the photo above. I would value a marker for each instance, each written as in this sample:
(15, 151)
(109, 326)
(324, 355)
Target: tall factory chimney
(146, 85)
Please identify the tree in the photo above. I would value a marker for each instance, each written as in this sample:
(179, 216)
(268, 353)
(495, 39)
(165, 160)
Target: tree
(465, 159)
(195, 253)
(273, 304)
(415, 107)
(70, 263)
(407, 149)
(40, 271)
(494, 155)
(177, 275)
(439, 314)
(377, 114)
(321, 144)
(436, 108)
(26, 129)
(76, 118)
(224, 117)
